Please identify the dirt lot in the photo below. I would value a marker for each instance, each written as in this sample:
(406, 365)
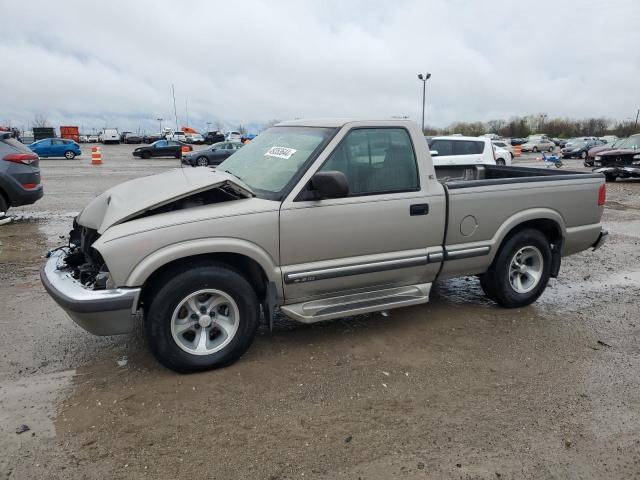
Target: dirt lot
(457, 388)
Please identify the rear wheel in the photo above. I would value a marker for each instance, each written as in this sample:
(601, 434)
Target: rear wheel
(146, 155)
(69, 155)
(583, 155)
(500, 162)
(550, 149)
(520, 272)
(202, 318)
(534, 149)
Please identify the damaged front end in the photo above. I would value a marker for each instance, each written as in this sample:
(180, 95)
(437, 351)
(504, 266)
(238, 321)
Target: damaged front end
(84, 263)
(78, 280)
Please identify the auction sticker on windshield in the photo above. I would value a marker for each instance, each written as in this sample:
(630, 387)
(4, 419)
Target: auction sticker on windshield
(280, 152)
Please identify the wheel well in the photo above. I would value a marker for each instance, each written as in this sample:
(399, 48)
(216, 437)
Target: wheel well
(244, 265)
(551, 230)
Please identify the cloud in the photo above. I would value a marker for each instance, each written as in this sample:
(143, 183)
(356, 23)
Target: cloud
(112, 63)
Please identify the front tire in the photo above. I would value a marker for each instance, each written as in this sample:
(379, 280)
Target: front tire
(201, 318)
(202, 161)
(69, 155)
(520, 271)
(583, 155)
(500, 162)
(534, 149)
(146, 155)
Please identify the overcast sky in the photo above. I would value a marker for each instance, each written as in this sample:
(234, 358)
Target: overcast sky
(113, 62)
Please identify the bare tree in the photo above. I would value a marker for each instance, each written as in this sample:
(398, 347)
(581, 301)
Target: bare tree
(40, 121)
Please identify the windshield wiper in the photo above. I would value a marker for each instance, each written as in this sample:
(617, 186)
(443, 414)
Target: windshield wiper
(244, 184)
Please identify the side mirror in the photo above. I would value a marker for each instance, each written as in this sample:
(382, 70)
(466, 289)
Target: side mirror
(331, 184)
(434, 153)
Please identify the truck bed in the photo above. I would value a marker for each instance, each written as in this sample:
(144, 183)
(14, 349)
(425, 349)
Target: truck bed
(485, 200)
(466, 176)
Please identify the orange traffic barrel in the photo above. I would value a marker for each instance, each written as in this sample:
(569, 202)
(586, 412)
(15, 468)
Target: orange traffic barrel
(517, 150)
(96, 156)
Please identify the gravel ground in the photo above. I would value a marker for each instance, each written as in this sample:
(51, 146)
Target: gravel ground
(457, 388)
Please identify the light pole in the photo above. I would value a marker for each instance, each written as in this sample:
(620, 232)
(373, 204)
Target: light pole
(160, 122)
(424, 79)
(208, 127)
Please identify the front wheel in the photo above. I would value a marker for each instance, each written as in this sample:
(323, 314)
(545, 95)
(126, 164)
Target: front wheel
(201, 318)
(500, 162)
(520, 271)
(146, 155)
(202, 161)
(69, 155)
(550, 150)
(535, 150)
(609, 177)
(583, 155)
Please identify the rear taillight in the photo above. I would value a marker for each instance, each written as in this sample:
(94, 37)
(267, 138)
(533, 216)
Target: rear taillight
(29, 186)
(602, 194)
(26, 158)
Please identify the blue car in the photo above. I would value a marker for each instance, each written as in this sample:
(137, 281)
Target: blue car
(56, 147)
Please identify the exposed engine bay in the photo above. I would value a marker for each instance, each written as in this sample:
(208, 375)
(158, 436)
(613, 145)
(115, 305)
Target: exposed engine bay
(87, 265)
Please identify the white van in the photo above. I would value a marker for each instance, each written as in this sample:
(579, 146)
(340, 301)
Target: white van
(109, 135)
(178, 136)
(459, 150)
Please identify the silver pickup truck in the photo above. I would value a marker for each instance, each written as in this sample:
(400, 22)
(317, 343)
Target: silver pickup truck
(316, 219)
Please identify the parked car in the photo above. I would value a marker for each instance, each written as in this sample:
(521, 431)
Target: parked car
(19, 174)
(621, 162)
(593, 151)
(131, 137)
(517, 141)
(538, 144)
(502, 156)
(213, 155)
(109, 135)
(177, 136)
(195, 138)
(316, 219)
(56, 147)
(233, 136)
(214, 137)
(578, 148)
(161, 148)
(459, 150)
(123, 135)
(26, 137)
(93, 138)
(83, 139)
(505, 145)
(152, 137)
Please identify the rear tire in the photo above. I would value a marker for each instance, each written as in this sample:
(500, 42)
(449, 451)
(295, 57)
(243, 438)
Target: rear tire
(520, 272)
(179, 316)
(500, 162)
(534, 149)
(69, 155)
(583, 155)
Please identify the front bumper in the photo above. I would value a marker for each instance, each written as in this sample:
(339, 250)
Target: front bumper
(101, 312)
(601, 239)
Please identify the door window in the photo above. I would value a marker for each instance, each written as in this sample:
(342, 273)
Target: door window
(376, 160)
(57, 142)
(443, 147)
(467, 147)
(161, 143)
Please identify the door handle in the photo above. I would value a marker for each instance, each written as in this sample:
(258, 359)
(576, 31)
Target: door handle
(419, 209)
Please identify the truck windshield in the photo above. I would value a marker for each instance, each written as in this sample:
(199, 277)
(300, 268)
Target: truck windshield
(275, 157)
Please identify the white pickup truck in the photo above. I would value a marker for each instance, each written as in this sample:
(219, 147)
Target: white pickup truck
(316, 219)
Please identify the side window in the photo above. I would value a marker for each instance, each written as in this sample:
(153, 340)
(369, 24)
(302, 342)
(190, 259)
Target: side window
(376, 160)
(57, 142)
(467, 147)
(443, 147)
(161, 143)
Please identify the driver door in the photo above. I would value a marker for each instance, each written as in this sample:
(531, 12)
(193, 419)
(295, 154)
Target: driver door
(379, 236)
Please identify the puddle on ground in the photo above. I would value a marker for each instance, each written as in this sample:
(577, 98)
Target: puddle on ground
(29, 236)
(30, 401)
(630, 228)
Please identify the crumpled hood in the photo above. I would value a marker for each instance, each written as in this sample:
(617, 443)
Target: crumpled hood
(132, 198)
(621, 151)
